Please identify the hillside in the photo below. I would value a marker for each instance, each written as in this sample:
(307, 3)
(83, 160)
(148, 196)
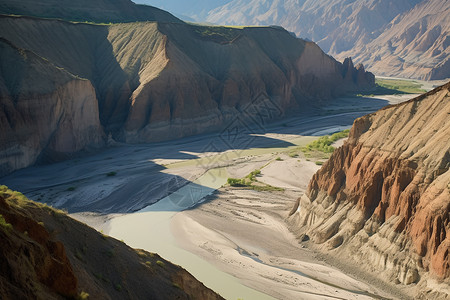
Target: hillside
(391, 38)
(47, 255)
(383, 198)
(104, 11)
(152, 81)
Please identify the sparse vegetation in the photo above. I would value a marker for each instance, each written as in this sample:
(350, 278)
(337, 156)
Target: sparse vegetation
(323, 144)
(249, 182)
(401, 86)
(393, 87)
(176, 285)
(219, 34)
(118, 287)
(109, 174)
(319, 163)
(83, 296)
(71, 189)
(160, 263)
(278, 158)
(4, 224)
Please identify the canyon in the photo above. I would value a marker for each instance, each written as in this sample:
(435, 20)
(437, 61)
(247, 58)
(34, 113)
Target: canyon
(198, 142)
(149, 81)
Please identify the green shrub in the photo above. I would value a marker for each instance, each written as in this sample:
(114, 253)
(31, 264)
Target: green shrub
(278, 158)
(83, 296)
(160, 263)
(118, 287)
(5, 224)
(109, 174)
(235, 182)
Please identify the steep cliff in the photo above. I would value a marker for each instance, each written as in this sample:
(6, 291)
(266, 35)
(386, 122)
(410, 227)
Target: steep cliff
(383, 198)
(157, 81)
(47, 255)
(45, 111)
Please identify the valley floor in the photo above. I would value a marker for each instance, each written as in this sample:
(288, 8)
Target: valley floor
(235, 240)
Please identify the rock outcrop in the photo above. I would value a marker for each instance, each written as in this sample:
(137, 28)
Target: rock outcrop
(47, 255)
(383, 198)
(158, 81)
(46, 112)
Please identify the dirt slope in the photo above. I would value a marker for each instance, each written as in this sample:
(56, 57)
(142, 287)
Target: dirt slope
(383, 198)
(47, 255)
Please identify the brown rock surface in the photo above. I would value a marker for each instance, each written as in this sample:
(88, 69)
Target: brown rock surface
(384, 196)
(47, 255)
(159, 81)
(44, 110)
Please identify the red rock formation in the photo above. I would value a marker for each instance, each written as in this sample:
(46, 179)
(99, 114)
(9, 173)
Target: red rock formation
(384, 196)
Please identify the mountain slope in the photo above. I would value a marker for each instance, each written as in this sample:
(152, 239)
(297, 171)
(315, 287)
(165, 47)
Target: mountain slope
(87, 10)
(395, 38)
(385, 194)
(156, 81)
(47, 255)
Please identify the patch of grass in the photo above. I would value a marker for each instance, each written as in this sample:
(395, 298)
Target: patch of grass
(160, 263)
(176, 285)
(400, 86)
(323, 144)
(266, 188)
(278, 158)
(218, 34)
(118, 287)
(249, 180)
(148, 263)
(83, 296)
(41, 223)
(293, 154)
(5, 225)
(109, 174)
(319, 163)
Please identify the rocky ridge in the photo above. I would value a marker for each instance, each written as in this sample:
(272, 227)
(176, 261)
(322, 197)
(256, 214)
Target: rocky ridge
(155, 81)
(383, 198)
(47, 255)
(391, 38)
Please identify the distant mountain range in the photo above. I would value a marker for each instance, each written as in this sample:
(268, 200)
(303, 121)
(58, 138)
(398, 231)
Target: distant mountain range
(405, 38)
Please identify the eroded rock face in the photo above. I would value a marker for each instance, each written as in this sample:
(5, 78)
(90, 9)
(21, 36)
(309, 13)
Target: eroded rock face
(153, 81)
(45, 111)
(384, 196)
(45, 254)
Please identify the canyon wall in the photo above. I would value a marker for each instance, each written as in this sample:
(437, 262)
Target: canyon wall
(45, 112)
(383, 198)
(153, 81)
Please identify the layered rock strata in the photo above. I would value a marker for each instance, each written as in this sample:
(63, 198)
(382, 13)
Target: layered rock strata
(384, 196)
